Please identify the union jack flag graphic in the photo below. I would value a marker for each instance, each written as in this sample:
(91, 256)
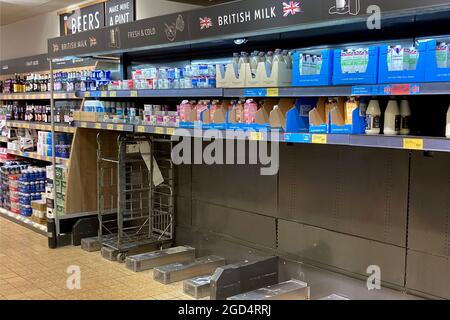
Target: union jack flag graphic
(291, 7)
(205, 23)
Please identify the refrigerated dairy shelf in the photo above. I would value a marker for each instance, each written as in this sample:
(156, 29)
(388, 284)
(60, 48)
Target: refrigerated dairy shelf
(372, 141)
(432, 88)
(40, 126)
(34, 155)
(25, 221)
(38, 96)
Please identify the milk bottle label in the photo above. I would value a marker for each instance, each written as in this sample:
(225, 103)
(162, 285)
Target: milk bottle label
(373, 122)
(398, 122)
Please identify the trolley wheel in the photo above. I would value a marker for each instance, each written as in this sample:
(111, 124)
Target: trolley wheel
(121, 257)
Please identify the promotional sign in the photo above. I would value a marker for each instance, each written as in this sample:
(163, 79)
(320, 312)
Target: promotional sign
(119, 12)
(232, 20)
(24, 65)
(161, 30)
(83, 19)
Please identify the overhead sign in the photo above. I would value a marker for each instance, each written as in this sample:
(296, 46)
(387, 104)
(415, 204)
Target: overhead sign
(161, 30)
(84, 19)
(24, 65)
(119, 12)
(231, 20)
(96, 16)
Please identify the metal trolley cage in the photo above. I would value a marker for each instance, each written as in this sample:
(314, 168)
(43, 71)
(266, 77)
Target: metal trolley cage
(145, 211)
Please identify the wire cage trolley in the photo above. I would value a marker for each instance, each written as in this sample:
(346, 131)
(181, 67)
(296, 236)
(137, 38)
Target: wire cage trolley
(139, 184)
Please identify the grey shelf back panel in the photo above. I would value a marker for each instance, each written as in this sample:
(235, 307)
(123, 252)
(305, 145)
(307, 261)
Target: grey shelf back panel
(236, 223)
(357, 191)
(341, 251)
(429, 224)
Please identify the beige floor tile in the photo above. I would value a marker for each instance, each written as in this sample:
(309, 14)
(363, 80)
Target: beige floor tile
(30, 270)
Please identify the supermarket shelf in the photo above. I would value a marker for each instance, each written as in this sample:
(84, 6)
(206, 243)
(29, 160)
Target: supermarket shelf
(321, 91)
(214, 92)
(39, 126)
(39, 96)
(34, 155)
(436, 88)
(378, 141)
(104, 126)
(4, 139)
(289, 92)
(25, 221)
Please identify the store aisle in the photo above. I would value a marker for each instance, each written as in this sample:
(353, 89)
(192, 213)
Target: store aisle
(30, 270)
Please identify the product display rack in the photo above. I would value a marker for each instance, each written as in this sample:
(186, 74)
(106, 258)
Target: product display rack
(53, 127)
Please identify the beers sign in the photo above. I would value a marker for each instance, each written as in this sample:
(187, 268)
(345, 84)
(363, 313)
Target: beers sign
(96, 15)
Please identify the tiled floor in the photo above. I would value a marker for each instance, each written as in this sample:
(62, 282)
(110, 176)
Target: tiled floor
(30, 270)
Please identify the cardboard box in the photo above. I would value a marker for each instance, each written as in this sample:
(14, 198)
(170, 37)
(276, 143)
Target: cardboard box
(39, 205)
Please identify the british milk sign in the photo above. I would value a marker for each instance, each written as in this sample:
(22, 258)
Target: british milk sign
(249, 16)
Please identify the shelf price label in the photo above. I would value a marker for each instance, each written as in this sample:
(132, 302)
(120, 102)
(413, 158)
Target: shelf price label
(413, 144)
(83, 124)
(170, 131)
(87, 94)
(256, 136)
(319, 139)
(104, 94)
(98, 126)
(133, 93)
(159, 130)
(110, 127)
(272, 92)
(113, 94)
(141, 129)
(119, 127)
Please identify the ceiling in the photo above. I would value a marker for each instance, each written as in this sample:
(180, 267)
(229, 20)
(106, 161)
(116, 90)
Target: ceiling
(16, 10)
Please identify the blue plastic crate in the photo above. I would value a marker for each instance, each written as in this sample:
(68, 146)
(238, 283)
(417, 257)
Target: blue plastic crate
(433, 73)
(417, 75)
(322, 79)
(370, 76)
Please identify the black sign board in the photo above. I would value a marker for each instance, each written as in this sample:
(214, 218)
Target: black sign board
(40, 63)
(119, 12)
(24, 65)
(81, 20)
(161, 30)
(231, 20)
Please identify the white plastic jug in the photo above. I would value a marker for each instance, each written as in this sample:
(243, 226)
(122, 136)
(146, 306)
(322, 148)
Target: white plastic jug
(373, 118)
(392, 119)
